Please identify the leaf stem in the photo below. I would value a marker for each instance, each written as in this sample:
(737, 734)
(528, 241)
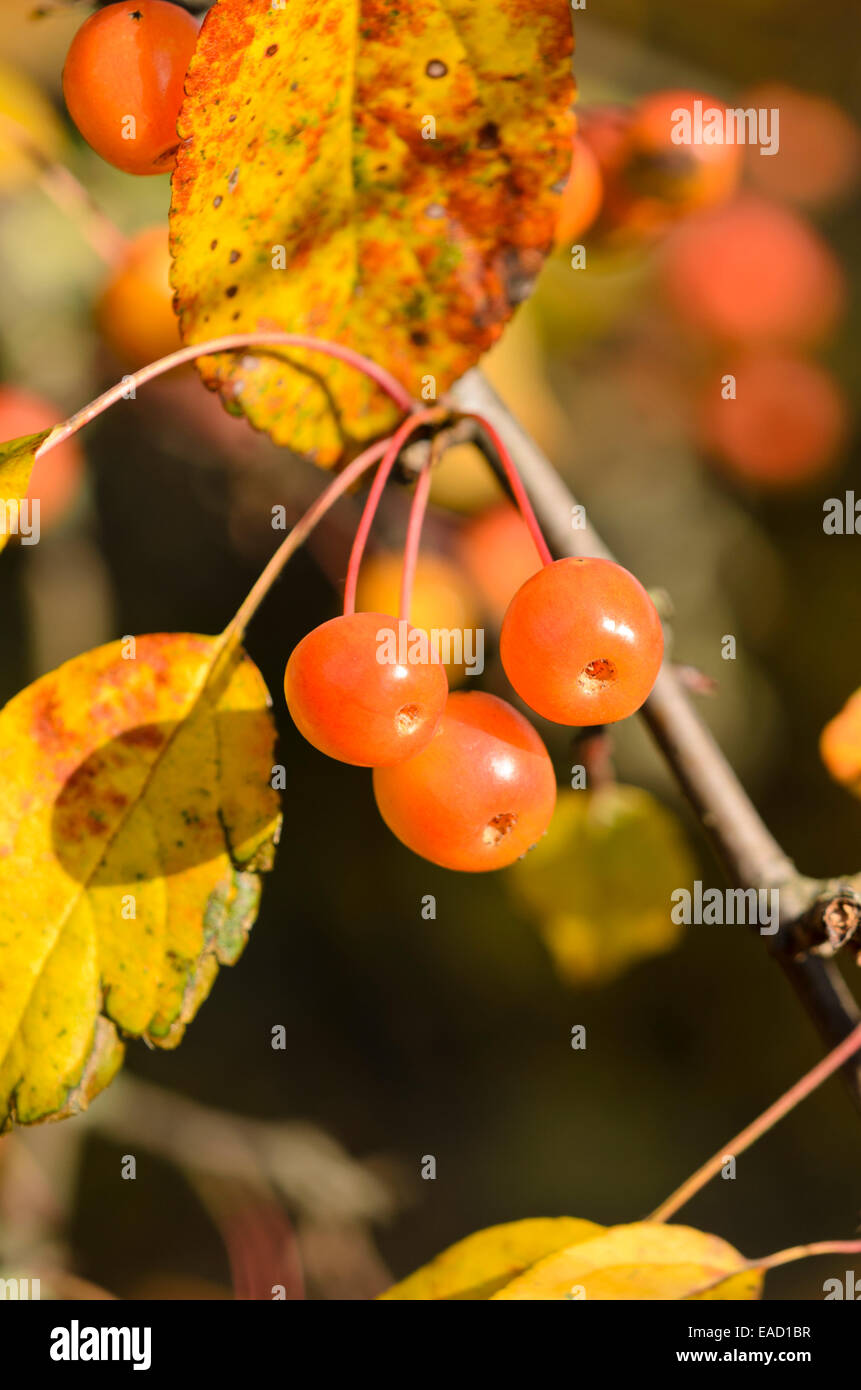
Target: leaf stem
(748, 1136)
(784, 1257)
(231, 342)
(69, 195)
(514, 481)
(751, 854)
(413, 540)
(298, 535)
(390, 457)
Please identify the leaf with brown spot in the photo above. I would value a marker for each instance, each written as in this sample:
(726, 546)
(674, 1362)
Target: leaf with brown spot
(136, 820)
(17, 458)
(303, 131)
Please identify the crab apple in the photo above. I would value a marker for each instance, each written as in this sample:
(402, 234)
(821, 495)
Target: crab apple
(123, 82)
(605, 126)
(753, 272)
(581, 642)
(819, 159)
(679, 176)
(498, 553)
(840, 745)
(606, 129)
(134, 310)
(354, 703)
(785, 426)
(58, 476)
(480, 794)
(581, 197)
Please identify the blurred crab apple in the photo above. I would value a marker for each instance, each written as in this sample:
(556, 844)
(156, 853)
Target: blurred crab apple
(753, 272)
(58, 476)
(134, 310)
(785, 426)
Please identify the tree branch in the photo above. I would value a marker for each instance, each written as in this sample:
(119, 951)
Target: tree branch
(748, 851)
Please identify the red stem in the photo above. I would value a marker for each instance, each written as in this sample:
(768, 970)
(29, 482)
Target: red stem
(764, 1122)
(298, 535)
(783, 1257)
(383, 449)
(391, 450)
(414, 535)
(230, 343)
(520, 494)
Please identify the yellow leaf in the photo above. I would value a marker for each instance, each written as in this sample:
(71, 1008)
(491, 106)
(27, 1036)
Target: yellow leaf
(463, 481)
(385, 176)
(136, 818)
(646, 1260)
(600, 880)
(564, 1258)
(476, 1267)
(17, 459)
(29, 129)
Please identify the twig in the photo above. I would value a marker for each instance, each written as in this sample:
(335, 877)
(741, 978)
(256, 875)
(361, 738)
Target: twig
(515, 483)
(413, 541)
(751, 855)
(764, 1122)
(297, 536)
(313, 1173)
(594, 750)
(258, 1236)
(231, 342)
(782, 1257)
(69, 195)
(390, 454)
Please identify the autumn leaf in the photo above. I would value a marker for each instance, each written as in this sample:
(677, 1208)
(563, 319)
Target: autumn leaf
(646, 1260)
(475, 1268)
(30, 131)
(17, 459)
(136, 820)
(643, 1261)
(387, 177)
(598, 884)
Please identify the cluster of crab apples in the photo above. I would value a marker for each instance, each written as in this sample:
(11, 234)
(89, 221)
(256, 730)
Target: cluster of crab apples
(462, 778)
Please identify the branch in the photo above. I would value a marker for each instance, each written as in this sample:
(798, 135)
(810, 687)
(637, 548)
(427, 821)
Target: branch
(749, 852)
(761, 1125)
(311, 1171)
(782, 1257)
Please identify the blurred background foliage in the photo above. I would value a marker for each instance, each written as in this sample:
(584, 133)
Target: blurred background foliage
(451, 1036)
